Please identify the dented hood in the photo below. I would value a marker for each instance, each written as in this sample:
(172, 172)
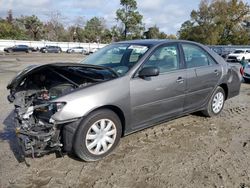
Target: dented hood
(34, 68)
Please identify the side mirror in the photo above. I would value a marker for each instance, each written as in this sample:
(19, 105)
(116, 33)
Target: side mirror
(149, 72)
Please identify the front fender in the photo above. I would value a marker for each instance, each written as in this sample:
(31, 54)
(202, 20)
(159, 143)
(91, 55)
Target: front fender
(81, 102)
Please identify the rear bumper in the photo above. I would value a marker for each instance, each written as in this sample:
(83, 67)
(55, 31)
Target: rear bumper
(234, 80)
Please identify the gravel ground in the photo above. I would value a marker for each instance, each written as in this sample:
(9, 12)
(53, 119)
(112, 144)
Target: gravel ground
(191, 151)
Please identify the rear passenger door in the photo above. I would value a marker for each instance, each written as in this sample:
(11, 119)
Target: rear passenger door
(203, 74)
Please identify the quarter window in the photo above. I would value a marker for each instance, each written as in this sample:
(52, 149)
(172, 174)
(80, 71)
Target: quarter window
(196, 57)
(166, 58)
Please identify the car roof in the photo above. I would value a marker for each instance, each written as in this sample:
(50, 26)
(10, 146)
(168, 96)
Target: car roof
(157, 42)
(153, 42)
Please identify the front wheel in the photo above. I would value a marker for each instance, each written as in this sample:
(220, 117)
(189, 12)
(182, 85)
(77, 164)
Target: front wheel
(97, 135)
(216, 103)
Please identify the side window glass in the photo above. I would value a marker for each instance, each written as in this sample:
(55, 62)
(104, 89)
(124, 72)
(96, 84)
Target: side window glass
(211, 61)
(166, 58)
(196, 57)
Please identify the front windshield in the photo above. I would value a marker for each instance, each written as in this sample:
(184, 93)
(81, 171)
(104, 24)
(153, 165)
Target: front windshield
(119, 57)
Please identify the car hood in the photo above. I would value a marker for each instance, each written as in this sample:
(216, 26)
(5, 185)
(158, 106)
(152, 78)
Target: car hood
(35, 68)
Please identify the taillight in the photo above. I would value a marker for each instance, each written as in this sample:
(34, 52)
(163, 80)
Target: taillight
(241, 70)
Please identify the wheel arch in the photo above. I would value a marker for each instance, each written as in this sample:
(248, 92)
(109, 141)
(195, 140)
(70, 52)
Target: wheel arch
(69, 130)
(117, 111)
(225, 88)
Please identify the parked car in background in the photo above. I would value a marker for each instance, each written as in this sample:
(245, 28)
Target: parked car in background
(122, 88)
(51, 49)
(239, 55)
(222, 51)
(19, 48)
(93, 50)
(246, 72)
(77, 50)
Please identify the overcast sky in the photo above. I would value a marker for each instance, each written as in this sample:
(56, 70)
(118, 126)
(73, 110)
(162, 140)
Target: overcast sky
(168, 15)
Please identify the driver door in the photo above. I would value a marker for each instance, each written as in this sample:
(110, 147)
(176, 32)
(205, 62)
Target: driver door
(157, 98)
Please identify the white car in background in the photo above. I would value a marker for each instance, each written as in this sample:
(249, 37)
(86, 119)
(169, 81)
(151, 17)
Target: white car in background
(77, 50)
(239, 55)
(246, 73)
(93, 50)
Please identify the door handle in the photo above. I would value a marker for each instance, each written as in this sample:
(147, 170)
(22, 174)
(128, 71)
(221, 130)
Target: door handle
(216, 72)
(180, 80)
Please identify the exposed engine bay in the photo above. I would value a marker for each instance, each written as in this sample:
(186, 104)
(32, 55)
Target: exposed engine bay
(32, 93)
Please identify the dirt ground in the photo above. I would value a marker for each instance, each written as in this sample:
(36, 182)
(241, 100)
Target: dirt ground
(191, 151)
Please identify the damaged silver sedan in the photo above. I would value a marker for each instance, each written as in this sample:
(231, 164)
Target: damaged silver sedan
(86, 107)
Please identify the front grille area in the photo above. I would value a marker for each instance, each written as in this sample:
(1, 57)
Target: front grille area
(232, 57)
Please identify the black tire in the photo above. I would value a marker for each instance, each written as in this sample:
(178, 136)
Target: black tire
(80, 141)
(210, 111)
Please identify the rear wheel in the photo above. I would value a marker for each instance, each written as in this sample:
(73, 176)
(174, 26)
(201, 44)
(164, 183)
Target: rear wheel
(97, 135)
(216, 103)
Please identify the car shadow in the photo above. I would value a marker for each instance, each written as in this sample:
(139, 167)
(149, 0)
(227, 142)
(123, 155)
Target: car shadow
(8, 134)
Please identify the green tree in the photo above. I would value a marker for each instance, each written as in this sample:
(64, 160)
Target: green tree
(106, 36)
(218, 22)
(171, 36)
(9, 17)
(152, 33)
(33, 26)
(229, 17)
(11, 31)
(155, 33)
(96, 31)
(130, 18)
(201, 27)
(116, 33)
(54, 29)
